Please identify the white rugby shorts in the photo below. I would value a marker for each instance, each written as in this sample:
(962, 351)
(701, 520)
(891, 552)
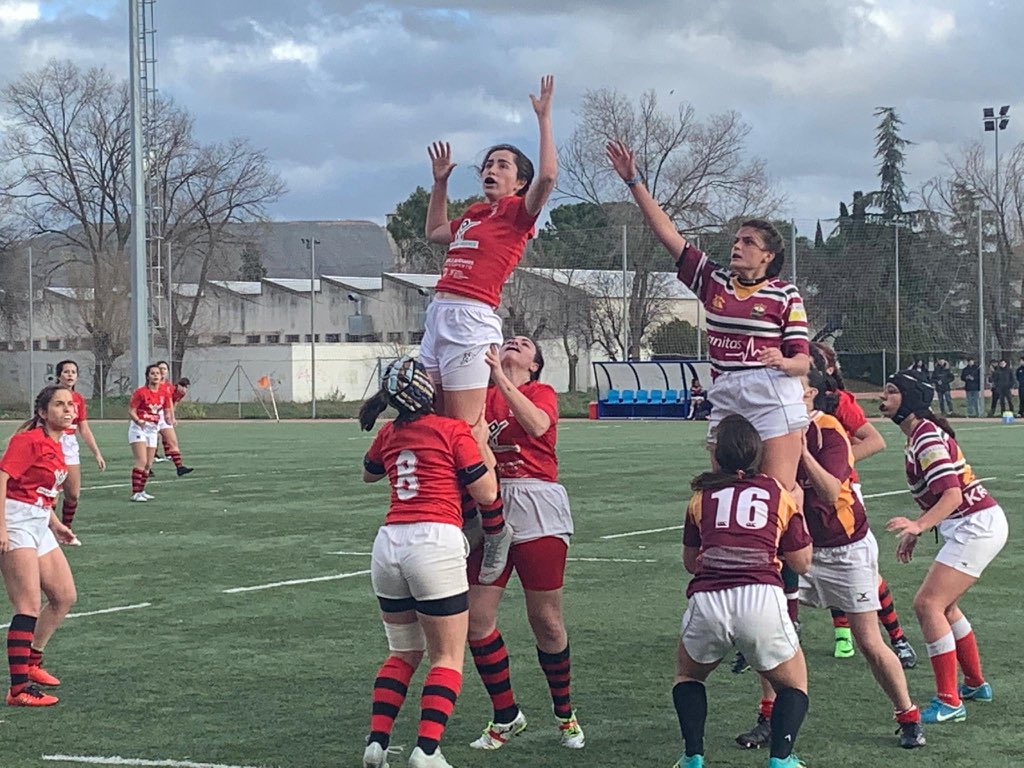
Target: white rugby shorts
(973, 542)
(28, 527)
(162, 424)
(457, 334)
(147, 434)
(843, 577)
(69, 444)
(751, 619)
(770, 400)
(424, 561)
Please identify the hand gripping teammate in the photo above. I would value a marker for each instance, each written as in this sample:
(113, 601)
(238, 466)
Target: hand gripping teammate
(523, 416)
(865, 441)
(145, 410)
(844, 568)
(737, 524)
(484, 244)
(67, 374)
(32, 472)
(418, 568)
(974, 528)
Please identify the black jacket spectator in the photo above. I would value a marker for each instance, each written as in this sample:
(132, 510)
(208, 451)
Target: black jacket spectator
(970, 375)
(942, 377)
(1002, 378)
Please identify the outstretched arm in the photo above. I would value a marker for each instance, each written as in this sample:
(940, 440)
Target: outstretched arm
(438, 230)
(539, 191)
(624, 163)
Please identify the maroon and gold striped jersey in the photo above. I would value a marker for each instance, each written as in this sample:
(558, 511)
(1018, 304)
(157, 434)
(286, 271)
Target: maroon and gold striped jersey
(742, 320)
(741, 529)
(842, 523)
(935, 463)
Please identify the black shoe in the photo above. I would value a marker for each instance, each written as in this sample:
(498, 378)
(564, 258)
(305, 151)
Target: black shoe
(184, 470)
(758, 736)
(906, 653)
(911, 735)
(739, 665)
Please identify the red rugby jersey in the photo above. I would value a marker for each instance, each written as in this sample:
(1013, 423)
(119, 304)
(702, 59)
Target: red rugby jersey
(421, 459)
(518, 453)
(741, 529)
(149, 403)
(832, 525)
(852, 417)
(80, 413)
(177, 395)
(36, 467)
(744, 319)
(935, 463)
(487, 244)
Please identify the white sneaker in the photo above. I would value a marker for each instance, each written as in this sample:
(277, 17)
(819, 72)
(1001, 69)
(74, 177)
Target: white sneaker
(160, 458)
(375, 756)
(497, 734)
(496, 547)
(149, 497)
(139, 497)
(420, 759)
(572, 734)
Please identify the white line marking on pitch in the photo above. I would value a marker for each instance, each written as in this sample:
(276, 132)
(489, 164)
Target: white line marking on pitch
(118, 609)
(89, 760)
(358, 554)
(907, 490)
(607, 560)
(243, 474)
(640, 533)
(292, 582)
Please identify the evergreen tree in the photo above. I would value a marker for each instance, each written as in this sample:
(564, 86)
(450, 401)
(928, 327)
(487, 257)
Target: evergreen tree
(819, 240)
(251, 267)
(889, 149)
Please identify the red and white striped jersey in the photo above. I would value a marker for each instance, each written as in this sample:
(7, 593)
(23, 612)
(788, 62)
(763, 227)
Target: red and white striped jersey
(741, 320)
(935, 463)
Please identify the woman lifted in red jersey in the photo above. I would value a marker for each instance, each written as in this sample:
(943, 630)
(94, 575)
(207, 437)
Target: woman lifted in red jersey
(484, 245)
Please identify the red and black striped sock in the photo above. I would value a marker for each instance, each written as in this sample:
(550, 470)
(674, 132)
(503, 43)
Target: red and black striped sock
(389, 691)
(19, 649)
(469, 510)
(440, 690)
(174, 456)
(839, 620)
(492, 517)
(35, 658)
(139, 477)
(67, 512)
(887, 613)
(491, 659)
(556, 668)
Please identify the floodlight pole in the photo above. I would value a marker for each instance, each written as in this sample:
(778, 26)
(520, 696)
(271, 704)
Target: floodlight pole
(139, 287)
(995, 123)
(981, 302)
(31, 333)
(311, 244)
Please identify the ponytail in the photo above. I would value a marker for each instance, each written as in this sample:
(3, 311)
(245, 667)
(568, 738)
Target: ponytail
(940, 422)
(714, 481)
(371, 409)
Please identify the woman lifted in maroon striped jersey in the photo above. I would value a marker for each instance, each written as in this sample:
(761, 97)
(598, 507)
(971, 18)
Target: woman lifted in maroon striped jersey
(756, 325)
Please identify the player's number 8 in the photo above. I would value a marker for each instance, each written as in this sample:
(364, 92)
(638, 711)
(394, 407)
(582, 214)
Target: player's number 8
(749, 508)
(407, 485)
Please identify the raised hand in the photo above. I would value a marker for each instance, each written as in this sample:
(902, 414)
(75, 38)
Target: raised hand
(542, 105)
(441, 164)
(622, 159)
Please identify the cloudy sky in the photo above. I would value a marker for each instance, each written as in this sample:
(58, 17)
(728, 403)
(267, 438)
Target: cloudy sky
(346, 95)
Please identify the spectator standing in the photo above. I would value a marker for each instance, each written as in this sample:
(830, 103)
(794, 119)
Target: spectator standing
(1020, 387)
(942, 380)
(970, 375)
(1002, 388)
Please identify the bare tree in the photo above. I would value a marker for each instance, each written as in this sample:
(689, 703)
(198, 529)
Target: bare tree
(66, 160)
(698, 171)
(1003, 214)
